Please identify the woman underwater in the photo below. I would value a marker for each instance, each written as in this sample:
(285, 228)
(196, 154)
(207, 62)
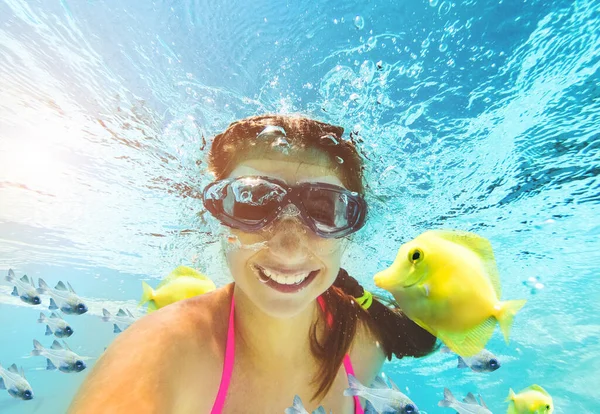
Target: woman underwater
(292, 322)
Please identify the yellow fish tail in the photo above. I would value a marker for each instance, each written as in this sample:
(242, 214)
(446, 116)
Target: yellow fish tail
(152, 306)
(147, 293)
(506, 314)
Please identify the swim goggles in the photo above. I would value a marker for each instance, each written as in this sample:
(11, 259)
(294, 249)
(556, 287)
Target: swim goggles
(250, 203)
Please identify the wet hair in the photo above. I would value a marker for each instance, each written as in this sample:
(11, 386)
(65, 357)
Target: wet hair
(239, 142)
(397, 335)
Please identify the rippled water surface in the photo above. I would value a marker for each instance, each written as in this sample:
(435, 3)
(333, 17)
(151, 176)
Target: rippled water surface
(479, 115)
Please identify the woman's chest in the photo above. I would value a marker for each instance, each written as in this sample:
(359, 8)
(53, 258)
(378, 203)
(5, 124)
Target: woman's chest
(262, 392)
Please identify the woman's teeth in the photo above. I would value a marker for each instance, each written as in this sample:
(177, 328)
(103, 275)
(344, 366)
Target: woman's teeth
(285, 279)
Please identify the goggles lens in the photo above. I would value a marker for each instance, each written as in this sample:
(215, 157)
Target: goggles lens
(251, 200)
(250, 203)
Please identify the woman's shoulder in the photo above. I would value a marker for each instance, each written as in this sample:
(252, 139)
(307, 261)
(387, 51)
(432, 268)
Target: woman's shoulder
(196, 322)
(366, 354)
(155, 357)
(195, 315)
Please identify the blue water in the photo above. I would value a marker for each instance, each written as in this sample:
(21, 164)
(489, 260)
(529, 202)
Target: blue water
(480, 115)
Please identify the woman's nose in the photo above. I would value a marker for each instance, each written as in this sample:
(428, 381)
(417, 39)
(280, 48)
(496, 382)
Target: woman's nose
(289, 239)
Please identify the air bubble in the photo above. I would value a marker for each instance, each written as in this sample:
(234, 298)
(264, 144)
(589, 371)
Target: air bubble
(371, 43)
(359, 22)
(367, 71)
(444, 8)
(433, 3)
(534, 284)
(443, 47)
(281, 144)
(425, 44)
(270, 132)
(413, 114)
(329, 140)
(245, 196)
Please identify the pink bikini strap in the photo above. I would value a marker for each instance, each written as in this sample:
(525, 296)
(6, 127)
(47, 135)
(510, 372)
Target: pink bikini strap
(230, 357)
(227, 364)
(347, 363)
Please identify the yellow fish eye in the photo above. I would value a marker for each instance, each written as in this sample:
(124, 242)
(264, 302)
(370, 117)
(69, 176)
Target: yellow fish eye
(415, 255)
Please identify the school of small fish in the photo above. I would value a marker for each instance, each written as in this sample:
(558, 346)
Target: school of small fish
(182, 283)
(58, 357)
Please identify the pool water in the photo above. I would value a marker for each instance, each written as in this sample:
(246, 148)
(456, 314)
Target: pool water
(477, 115)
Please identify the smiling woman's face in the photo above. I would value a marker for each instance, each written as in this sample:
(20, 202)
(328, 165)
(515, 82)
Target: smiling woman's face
(288, 250)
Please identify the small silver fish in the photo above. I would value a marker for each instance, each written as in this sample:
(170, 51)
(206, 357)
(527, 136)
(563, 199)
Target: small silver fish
(15, 383)
(24, 288)
(382, 398)
(298, 408)
(483, 361)
(56, 325)
(59, 357)
(469, 406)
(63, 298)
(121, 320)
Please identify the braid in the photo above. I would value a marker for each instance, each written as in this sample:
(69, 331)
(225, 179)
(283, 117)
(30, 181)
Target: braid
(398, 335)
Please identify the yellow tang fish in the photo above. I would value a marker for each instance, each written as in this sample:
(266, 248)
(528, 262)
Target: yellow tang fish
(447, 282)
(532, 400)
(182, 283)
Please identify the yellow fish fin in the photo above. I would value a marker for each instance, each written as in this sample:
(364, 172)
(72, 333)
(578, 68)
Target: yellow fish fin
(181, 271)
(147, 293)
(415, 278)
(506, 314)
(536, 387)
(424, 326)
(470, 342)
(481, 247)
(511, 403)
(511, 395)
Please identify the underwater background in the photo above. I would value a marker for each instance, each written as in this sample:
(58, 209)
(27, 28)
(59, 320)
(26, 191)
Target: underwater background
(482, 115)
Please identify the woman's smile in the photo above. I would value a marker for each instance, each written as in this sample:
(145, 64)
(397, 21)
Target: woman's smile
(286, 281)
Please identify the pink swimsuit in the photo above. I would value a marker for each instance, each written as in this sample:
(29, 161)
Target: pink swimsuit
(230, 356)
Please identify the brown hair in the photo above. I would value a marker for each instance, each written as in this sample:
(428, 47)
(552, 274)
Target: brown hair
(397, 334)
